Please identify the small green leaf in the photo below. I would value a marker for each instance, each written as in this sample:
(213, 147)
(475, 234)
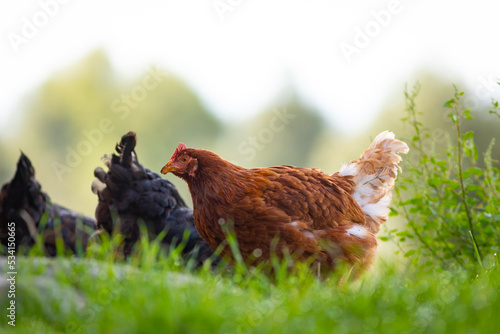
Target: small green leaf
(449, 103)
(476, 171)
(393, 212)
(403, 234)
(465, 175)
(450, 203)
(434, 182)
(467, 114)
(468, 135)
(473, 187)
(409, 253)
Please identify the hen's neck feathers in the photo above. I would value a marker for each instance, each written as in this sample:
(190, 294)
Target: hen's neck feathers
(215, 178)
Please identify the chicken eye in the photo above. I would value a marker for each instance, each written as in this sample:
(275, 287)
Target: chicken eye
(184, 159)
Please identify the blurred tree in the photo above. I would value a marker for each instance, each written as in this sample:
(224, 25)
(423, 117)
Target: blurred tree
(62, 132)
(287, 134)
(72, 100)
(4, 169)
(80, 113)
(434, 92)
(172, 113)
(434, 117)
(169, 113)
(485, 126)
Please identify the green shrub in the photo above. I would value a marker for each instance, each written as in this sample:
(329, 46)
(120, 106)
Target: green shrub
(449, 196)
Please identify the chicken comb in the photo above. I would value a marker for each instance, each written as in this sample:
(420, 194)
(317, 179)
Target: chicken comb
(178, 150)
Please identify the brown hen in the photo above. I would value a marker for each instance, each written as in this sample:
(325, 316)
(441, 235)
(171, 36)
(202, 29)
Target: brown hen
(291, 210)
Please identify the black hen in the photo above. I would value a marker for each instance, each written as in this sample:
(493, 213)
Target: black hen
(23, 203)
(136, 194)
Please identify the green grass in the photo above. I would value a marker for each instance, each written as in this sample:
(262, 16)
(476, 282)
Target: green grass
(90, 296)
(445, 279)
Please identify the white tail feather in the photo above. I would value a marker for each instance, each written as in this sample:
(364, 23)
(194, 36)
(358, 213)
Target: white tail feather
(374, 174)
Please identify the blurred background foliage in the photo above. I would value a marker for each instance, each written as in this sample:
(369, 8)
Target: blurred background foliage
(61, 124)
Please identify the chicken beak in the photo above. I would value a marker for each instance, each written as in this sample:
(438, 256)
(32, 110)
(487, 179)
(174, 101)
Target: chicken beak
(168, 168)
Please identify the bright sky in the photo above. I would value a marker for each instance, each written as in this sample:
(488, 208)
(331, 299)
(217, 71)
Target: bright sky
(238, 58)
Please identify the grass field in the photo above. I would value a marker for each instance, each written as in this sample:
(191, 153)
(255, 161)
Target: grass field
(89, 296)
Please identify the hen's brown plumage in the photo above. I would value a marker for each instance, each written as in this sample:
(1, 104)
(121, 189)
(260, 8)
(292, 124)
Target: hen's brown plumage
(308, 212)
